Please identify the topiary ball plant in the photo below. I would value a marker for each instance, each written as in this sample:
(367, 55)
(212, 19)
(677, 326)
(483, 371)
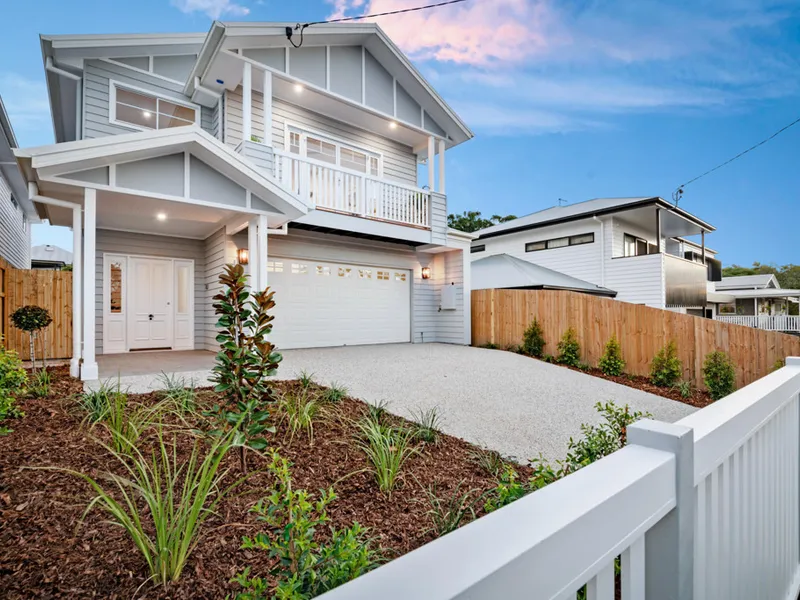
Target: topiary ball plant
(569, 350)
(666, 368)
(533, 341)
(719, 374)
(32, 318)
(612, 363)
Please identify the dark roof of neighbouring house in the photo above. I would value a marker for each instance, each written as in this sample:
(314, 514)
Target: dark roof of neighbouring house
(504, 271)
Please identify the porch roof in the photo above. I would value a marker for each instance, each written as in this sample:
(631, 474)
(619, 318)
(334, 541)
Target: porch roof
(178, 155)
(765, 293)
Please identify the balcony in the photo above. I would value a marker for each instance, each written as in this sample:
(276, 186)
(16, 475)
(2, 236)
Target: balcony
(788, 323)
(353, 193)
(684, 282)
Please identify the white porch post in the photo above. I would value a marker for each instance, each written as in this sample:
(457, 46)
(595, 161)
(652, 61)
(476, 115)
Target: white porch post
(262, 252)
(441, 167)
(252, 250)
(247, 102)
(89, 369)
(77, 269)
(268, 108)
(431, 159)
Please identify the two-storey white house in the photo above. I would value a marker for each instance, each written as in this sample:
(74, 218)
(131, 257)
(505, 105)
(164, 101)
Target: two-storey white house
(636, 247)
(177, 154)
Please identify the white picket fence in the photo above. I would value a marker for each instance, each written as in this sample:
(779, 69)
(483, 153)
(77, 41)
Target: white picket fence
(703, 509)
(768, 322)
(352, 192)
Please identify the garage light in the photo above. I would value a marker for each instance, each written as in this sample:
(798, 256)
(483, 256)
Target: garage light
(161, 216)
(426, 272)
(243, 256)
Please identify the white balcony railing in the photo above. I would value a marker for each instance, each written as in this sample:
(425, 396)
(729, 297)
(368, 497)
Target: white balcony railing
(706, 508)
(354, 193)
(768, 322)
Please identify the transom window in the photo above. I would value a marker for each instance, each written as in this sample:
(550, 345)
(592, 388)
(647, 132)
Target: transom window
(333, 152)
(562, 242)
(146, 111)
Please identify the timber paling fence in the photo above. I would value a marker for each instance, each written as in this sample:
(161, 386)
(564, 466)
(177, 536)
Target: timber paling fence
(501, 316)
(46, 288)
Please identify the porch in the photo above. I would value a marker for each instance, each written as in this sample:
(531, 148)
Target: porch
(786, 323)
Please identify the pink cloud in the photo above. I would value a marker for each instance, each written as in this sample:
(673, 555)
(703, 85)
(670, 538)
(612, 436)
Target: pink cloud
(477, 32)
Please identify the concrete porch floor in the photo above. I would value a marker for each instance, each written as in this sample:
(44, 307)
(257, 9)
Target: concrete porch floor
(132, 364)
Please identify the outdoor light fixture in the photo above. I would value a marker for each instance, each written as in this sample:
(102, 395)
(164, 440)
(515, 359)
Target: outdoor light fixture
(426, 272)
(147, 114)
(243, 256)
(392, 125)
(161, 216)
(298, 88)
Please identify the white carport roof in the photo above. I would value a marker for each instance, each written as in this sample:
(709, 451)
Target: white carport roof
(504, 271)
(766, 293)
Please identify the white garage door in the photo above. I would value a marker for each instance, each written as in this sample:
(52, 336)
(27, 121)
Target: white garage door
(322, 304)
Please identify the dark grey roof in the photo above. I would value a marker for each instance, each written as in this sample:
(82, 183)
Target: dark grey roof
(579, 210)
(504, 271)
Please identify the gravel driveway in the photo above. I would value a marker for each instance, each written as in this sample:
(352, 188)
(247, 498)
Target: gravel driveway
(507, 402)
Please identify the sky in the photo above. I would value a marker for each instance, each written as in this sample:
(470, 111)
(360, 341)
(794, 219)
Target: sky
(573, 99)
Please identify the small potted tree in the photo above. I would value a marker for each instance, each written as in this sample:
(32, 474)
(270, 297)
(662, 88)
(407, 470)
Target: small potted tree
(33, 319)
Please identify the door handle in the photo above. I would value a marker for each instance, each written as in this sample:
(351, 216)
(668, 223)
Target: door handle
(150, 317)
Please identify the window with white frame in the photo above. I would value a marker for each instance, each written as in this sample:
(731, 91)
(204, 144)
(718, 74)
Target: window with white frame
(143, 110)
(334, 152)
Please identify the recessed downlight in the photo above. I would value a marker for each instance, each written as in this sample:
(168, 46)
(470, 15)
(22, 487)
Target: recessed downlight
(392, 125)
(162, 216)
(298, 88)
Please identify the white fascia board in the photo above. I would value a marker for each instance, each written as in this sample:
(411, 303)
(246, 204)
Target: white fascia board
(122, 39)
(210, 48)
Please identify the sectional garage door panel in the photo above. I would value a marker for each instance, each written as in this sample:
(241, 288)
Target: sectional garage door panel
(320, 304)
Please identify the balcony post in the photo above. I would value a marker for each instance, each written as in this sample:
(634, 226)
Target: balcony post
(431, 158)
(441, 167)
(658, 229)
(267, 107)
(247, 102)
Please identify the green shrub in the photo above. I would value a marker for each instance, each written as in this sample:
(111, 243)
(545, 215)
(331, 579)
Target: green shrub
(427, 425)
(305, 378)
(666, 368)
(595, 442)
(162, 501)
(489, 461)
(719, 374)
(448, 513)
(179, 392)
(246, 360)
(612, 363)
(569, 350)
(12, 384)
(488, 346)
(533, 341)
(306, 567)
(96, 401)
(40, 388)
(777, 365)
(378, 411)
(387, 449)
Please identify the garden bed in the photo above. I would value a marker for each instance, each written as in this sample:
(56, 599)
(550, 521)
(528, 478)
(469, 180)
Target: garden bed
(44, 552)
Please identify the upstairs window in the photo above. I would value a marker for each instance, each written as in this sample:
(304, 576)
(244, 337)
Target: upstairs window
(635, 246)
(142, 110)
(562, 242)
(333, 152)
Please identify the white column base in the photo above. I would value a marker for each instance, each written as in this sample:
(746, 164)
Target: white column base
(89, 372)
(75, 367)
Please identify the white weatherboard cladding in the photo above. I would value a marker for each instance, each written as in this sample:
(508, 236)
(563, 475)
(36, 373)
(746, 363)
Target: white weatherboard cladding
(321, 304)
(157, 246)
(637, 279)
(15, 238)
(582, 261)
(96, 102)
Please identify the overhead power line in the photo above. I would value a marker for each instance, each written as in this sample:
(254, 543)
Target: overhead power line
(678, 193)
(302, 27)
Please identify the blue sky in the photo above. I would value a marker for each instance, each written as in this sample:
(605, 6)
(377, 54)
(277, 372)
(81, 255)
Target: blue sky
(574, 99)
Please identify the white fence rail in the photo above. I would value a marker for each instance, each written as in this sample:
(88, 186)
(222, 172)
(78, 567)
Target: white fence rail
(769, 322)
(702, 509)
(352, 192)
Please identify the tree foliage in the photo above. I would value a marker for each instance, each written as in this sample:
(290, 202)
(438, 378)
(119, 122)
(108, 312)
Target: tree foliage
(472, 220)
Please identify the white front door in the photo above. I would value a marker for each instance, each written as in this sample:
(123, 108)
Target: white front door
(151, 311)
(321, 304)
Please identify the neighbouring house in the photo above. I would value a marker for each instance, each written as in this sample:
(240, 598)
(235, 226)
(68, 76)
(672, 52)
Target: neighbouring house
(178, 153)
(758, 301)
(634, 247)
(17, 212)
(47, 256)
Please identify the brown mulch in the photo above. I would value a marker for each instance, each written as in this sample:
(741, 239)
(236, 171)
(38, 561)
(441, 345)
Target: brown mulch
(46, 552)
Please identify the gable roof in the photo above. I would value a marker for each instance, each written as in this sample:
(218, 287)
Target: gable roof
(743, 282)
(582, 210)
(504, 271)
(224, 37)
(50, 253)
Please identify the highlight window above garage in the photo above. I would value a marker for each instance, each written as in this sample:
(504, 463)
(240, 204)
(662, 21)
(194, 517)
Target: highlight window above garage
(561, 242)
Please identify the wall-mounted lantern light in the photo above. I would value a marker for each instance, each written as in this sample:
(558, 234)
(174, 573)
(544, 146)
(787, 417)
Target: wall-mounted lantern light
(426, 272)
(243, 256)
